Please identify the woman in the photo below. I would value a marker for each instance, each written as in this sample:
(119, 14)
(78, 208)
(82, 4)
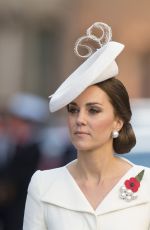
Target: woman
(98, 190)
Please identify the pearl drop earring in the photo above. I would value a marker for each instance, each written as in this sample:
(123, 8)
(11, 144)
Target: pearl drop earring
(115, 134)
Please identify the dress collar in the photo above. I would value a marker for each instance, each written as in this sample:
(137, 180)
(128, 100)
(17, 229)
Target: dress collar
(64, 192)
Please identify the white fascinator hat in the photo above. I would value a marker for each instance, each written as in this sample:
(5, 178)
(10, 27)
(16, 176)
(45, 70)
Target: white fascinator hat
(99, 66)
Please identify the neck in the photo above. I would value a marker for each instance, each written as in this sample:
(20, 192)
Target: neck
(95, 165)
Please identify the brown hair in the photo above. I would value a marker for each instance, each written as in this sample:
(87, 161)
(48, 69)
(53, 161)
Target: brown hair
(119, 99)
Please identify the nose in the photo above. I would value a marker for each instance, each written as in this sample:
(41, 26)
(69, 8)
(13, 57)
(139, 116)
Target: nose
(81, 118)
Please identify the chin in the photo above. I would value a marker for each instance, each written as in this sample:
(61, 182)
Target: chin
(83, 144)
(82, 147)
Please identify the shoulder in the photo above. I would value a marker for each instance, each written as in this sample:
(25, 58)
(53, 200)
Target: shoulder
(42, 180)
(139, 168)
(146, 169)
(51, 174)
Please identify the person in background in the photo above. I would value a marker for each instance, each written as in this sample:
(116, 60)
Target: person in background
(99, 189)
(27, 114)
(4, 139)
(4, 159)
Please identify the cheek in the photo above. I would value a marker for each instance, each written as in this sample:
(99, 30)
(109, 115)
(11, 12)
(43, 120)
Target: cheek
(103, 125)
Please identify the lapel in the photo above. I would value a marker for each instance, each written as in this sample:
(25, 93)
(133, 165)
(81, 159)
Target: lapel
(65, 193)
(112, 202)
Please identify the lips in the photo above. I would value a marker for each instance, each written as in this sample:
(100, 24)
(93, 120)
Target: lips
(81, 133)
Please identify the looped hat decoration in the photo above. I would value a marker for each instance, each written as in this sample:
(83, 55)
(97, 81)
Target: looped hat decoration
(99, 66)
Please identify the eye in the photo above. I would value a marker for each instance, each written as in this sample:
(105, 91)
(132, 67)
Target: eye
(72, 109)
(94, 110)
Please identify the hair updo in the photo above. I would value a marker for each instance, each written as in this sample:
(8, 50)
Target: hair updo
(119, 99)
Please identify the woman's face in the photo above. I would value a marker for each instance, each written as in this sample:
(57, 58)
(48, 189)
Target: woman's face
(91, 120)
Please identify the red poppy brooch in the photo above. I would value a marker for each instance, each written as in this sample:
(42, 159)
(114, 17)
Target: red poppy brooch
(129, 190)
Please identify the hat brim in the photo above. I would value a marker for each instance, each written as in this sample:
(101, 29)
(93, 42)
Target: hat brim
(97, 68)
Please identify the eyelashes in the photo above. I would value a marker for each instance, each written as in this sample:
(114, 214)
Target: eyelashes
(72, 110)
(76, 110)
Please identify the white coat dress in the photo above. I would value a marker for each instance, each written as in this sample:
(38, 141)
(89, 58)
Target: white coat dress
(55, 202)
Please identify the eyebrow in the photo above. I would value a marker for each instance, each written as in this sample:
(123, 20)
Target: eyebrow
(87, 104)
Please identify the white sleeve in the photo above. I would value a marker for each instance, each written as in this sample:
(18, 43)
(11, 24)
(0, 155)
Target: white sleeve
(34, 211)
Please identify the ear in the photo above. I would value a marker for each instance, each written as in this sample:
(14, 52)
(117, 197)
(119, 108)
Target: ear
(118, 124)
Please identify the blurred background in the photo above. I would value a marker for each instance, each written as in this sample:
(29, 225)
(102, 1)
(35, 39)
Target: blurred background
(36, 54)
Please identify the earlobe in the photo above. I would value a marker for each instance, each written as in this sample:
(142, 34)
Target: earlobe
(117, 128)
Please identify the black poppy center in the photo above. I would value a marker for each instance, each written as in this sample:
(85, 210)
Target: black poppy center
(132, 184)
